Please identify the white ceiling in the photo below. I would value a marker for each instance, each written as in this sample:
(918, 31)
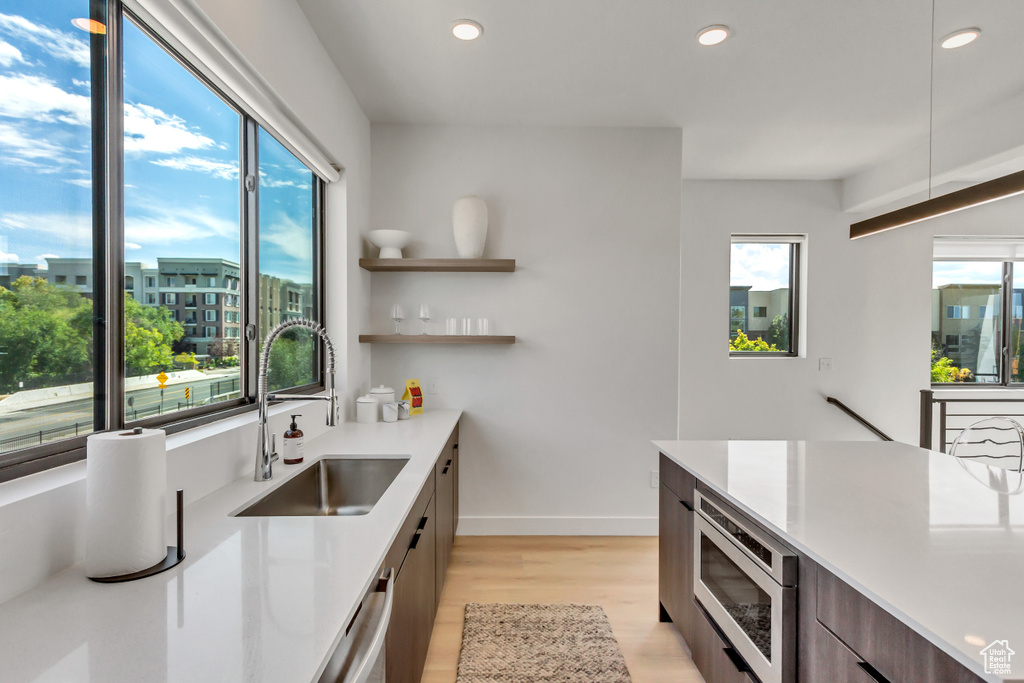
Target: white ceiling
(803, 88)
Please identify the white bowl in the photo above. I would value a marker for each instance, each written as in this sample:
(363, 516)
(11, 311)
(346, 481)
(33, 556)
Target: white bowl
(390, 242)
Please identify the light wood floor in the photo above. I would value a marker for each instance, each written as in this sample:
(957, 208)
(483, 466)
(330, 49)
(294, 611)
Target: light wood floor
(618, 573)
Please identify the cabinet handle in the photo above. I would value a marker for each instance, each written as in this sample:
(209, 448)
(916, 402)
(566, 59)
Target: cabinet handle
(416, 539)
(687, 505)
(736, 659)
(873, 672)
(446, 466)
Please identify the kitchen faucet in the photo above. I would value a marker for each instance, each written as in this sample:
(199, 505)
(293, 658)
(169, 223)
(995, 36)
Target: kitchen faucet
(264, 456)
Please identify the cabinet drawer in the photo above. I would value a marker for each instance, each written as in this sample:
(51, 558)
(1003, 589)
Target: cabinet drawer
(833, 661)
(895, 650)
(396, 554)
(710, 654)
(678, 480)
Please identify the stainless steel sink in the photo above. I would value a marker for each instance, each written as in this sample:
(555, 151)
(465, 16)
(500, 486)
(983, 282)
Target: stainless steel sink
(329, 487)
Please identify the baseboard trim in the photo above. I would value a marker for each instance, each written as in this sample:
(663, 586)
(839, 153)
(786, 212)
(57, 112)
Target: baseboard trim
(558, 526)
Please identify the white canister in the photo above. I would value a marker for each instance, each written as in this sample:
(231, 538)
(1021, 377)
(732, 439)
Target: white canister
(366, 409)
(390, 411)
(383, 395)
(403, 410)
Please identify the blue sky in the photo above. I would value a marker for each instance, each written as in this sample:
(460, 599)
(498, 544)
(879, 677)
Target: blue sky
(181, 154)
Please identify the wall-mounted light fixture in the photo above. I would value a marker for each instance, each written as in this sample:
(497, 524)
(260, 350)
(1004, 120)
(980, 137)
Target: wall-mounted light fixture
(982, 193)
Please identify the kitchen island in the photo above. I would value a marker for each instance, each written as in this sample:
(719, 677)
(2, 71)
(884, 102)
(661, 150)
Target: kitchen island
(898, 547)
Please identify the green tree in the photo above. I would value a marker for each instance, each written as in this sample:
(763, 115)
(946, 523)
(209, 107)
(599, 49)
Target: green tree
(743, 343)
(291, 360)
(188, 358)
(943, 370)
(778, 332)
(45, 332)
(149, 332)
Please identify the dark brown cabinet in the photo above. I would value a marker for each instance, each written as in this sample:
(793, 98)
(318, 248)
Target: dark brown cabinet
(884, 646)
(412, 613)
(675, 547)
(419, 555)
(445, 472)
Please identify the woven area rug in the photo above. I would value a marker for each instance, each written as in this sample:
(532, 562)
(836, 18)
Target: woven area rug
(531, 643)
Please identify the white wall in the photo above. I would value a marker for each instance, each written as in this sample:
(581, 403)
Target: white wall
(557, 427)
(868, 309)
(41, 516)
(859, 313)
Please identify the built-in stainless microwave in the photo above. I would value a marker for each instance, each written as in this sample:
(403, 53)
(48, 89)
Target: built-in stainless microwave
(746, 582)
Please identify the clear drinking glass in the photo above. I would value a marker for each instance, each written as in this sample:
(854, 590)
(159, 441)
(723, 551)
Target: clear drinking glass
(467, 326)
(424, 316)
(398, 315)
(451, 326)
(483, 327)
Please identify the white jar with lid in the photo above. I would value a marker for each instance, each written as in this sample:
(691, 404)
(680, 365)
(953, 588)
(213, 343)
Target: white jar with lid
(383, 395)
(366, 409)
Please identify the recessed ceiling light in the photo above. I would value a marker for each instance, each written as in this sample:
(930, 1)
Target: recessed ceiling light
(712, 35)
(90, 25)
(960, 38)
(467, 29)
(977, 641)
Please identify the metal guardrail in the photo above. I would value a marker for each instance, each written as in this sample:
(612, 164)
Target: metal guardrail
(849, 411)
(956, 414)
(41, 436)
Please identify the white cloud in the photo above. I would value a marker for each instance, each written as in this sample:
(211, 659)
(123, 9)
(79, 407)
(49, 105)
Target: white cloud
(41, 261)
(177, 225)
(8, 258)
(81, 182)
(70, 228)
(131, 246)
(40, 155)
(218, 169)
(62, 45)
(10, 54)
(292, 239)
(39, 99)
(148, 129)
(762, 267)
(266, 182)
(966, 273)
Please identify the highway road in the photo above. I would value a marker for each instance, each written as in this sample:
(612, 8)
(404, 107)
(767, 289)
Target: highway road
(21, 429)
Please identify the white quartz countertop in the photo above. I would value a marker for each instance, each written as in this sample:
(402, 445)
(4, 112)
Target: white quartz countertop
(926, 538)
(256, 598)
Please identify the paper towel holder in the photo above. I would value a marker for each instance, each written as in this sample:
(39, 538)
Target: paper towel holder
(174, 554)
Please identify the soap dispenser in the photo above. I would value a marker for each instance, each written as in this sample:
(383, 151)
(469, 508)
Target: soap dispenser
(293, 444)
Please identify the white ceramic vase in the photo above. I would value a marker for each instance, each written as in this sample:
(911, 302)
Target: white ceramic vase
(469, 224)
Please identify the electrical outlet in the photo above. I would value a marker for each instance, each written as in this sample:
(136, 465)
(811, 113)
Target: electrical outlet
(824, 364)
(431, 387)
(654, 479)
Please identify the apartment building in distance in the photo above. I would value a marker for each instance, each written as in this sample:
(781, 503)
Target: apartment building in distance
(966, 327)
(203, 294)
(752, 311)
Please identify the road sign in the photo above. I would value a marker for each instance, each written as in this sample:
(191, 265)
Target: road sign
(188, 392)
(162, 378)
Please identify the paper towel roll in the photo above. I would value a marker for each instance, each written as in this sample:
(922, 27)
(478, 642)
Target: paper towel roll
(126, 502)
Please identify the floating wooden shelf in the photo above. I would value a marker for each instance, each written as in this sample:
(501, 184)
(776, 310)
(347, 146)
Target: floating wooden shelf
(439, 265)
(435, 339)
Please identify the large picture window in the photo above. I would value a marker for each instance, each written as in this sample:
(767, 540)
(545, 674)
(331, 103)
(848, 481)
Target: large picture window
(187, 297)
(764, 277)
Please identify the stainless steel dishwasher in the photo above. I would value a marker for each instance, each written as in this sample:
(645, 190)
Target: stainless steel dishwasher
(359, 655)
